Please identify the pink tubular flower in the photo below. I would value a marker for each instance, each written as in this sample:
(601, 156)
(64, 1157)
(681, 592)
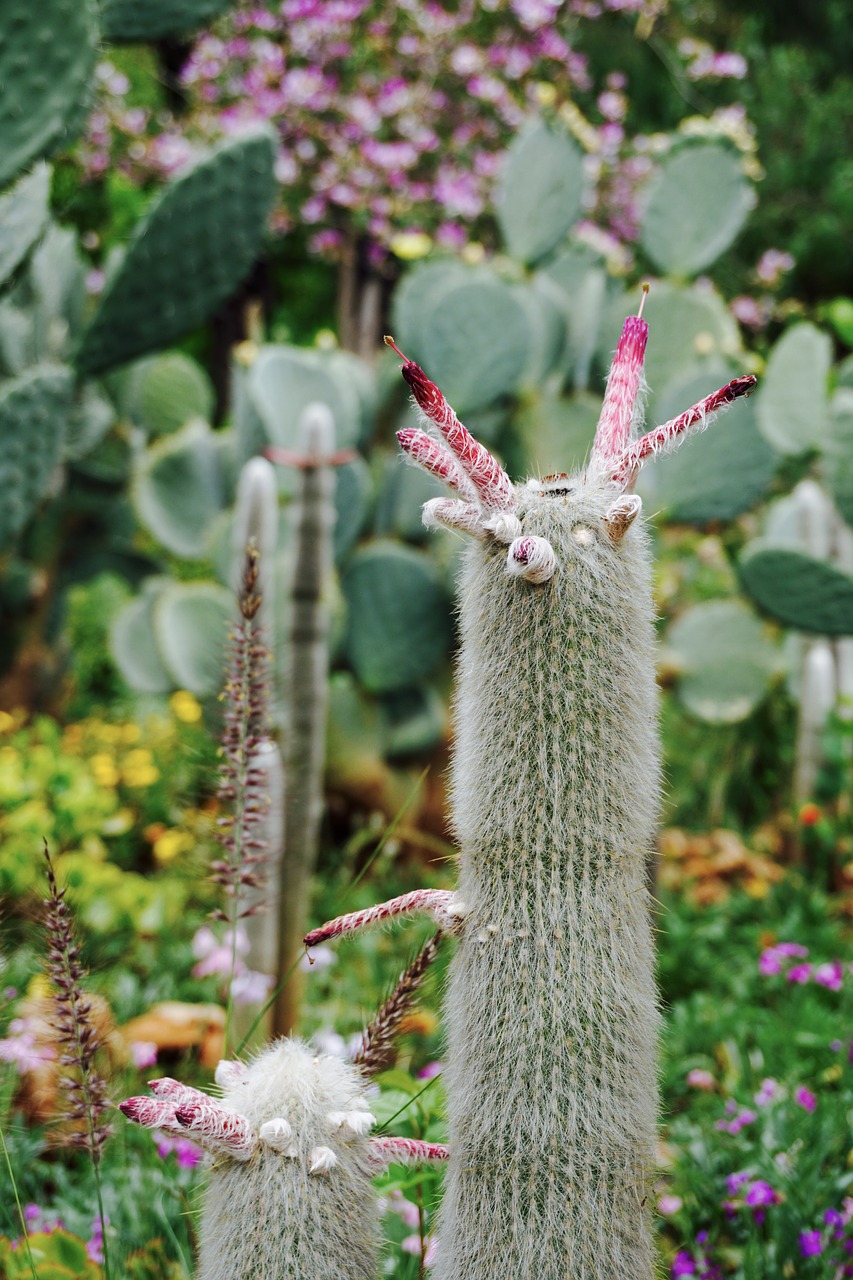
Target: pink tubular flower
(668, 1205)
(683, 1265)
(143, 1053)
(800, 973)
(20, 1047)
(759, 1194)
(186, 1153)
(700, 1079)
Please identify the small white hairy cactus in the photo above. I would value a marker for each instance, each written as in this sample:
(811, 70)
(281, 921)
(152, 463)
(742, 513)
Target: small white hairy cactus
(552, 1017)
(290, 1189)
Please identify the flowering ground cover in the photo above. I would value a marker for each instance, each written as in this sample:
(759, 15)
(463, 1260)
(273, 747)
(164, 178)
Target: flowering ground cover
(755, 1179)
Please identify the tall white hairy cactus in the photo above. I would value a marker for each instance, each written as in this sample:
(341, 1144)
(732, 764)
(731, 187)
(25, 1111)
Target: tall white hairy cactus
(551, 1010)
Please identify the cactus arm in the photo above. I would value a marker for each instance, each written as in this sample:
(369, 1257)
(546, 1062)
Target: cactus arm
(441, 904)
(437, 460)
(622, 397)
(450, 513)
(391, 1150)
(156, 1114)
(224, 1129)
(492, 484)
(664, 438)
(175, 1093)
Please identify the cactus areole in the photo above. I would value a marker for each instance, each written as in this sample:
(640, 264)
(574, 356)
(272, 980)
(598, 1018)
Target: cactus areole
(551, 1012)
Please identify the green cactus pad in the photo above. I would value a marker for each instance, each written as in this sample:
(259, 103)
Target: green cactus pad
(133, 641)
(798, 590)
(413, 299)
(837, 461)
(353, 491)
(476, 341)
(540, 192)
(543, 301)
(284, 380)
(723, 659)
(353, 737)
(128, 20)
(91, 418)
(187, 255)
(557, 431)
(167, 391)
(792, 395)
(57, 278)
(34, 413)
(686, 324)
(398, 627)
(47, 56)
(403, 491)
(178, 488)
(580, 276)
(718, 474)
(694, 207)
(413, 721)
(192, 621)
(23, 218)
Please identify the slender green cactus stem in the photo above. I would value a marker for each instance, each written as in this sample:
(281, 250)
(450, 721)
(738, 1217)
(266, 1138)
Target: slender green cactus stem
(307, 680)
(552, 1018)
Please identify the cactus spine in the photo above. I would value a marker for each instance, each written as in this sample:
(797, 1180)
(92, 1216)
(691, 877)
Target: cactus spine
(551, 1012)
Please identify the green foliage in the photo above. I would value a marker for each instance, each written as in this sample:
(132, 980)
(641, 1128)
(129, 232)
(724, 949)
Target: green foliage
(722, 659)
(798, 590)
(283, 381)
(792, 397)
(23, 218)
(694, 208)
(398, 623)
(189, 253)
(57, 1255)
(43, 79)
(541, 191)
(124, 20)
(34, 410)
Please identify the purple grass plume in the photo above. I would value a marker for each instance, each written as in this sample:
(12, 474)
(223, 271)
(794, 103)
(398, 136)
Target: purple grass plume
(79, 1040)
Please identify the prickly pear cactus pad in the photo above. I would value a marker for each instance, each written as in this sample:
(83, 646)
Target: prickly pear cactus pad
(551, 1009)
(34, 412)
(126, 20)
(188, 254)
(47, 56)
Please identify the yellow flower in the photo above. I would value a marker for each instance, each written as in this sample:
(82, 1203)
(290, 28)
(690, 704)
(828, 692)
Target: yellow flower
(104, 769)
(130, 732)
(7, 722)
(170, 845)
(410, 245)
(138, 768)
(185, 707)
(546, 94)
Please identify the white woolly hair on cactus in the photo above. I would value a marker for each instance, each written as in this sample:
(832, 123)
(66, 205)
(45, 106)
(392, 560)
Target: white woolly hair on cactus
(290, 1190)
(551, 1011)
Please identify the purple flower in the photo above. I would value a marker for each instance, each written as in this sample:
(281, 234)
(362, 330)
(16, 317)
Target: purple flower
(186, 1153)
(683, 1265)
(431, 1069)
(830, 975)
(760, 1193)
(811, 1243)
(768, 1090)
(805, 1098)
(800, 973)
(21, 1049)
(143, 1053)
(773, 264)
(736, 1180)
